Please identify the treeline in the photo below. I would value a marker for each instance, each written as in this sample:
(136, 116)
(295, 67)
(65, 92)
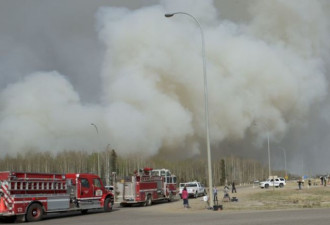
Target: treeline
(225, 170)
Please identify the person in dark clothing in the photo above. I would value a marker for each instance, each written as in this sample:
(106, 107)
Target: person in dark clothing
(233, 188)
(300, 182)
(309, 183)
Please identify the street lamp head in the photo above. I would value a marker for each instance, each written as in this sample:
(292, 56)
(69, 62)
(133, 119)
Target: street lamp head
(169, 14)
(97, 130)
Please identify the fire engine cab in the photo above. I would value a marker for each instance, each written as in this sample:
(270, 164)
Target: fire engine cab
(32, 195)
(146, 186)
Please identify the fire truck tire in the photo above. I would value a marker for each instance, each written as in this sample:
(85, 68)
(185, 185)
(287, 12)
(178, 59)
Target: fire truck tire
(148, 201)
(170, 197)
(34, 212)
(20, 218)
(107, 205)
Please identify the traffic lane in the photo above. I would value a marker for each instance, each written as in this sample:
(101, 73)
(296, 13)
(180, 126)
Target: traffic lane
(146, 215)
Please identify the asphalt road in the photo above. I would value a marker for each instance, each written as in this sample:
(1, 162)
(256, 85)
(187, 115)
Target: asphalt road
(146, 216)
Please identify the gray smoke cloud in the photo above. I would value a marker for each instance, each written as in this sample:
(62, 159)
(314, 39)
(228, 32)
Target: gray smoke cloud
(266, 73)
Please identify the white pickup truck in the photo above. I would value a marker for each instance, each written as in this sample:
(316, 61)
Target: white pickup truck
(194, 189)
(273, 182)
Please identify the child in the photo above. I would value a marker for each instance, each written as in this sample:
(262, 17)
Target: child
(185, 197)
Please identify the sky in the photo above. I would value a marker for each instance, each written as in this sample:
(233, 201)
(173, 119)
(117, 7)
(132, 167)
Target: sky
(136, 75)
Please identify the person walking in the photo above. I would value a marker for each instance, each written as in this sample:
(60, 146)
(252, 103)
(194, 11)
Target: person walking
(215, 194)
(185, 197)
(233, 188)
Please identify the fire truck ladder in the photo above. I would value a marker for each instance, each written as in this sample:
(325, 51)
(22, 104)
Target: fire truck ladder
(38, 185)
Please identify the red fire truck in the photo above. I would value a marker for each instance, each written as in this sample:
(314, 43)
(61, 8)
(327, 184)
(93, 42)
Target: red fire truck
(32, 195)
(147, 186)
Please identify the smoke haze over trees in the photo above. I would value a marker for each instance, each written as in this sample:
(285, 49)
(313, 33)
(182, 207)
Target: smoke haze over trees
(138, 76)
(224, 170)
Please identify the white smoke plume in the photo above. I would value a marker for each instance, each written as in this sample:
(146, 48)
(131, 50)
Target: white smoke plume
(269, 71)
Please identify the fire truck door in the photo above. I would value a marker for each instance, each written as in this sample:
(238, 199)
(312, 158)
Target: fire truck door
(86, 189)
(97, 187)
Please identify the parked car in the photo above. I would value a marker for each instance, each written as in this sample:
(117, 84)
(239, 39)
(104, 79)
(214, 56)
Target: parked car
(194, 189)
(273, 182)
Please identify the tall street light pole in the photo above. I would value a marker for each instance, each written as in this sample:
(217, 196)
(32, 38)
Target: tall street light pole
(211, 200)
(269, 170)
(269, 167)
(98, 154)
(107, 179)
(284, 153)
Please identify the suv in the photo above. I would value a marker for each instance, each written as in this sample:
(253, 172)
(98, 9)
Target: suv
(273, 182)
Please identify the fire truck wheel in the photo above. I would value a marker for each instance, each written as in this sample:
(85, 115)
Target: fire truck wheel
(148, 202)
(171, 197)
(107, 205)
(20, 218)
(34, 212)
(84, 211)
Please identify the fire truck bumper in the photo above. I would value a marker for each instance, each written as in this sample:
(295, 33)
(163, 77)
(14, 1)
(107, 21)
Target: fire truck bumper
(129, 202)
(3, 214)
(126, 203)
